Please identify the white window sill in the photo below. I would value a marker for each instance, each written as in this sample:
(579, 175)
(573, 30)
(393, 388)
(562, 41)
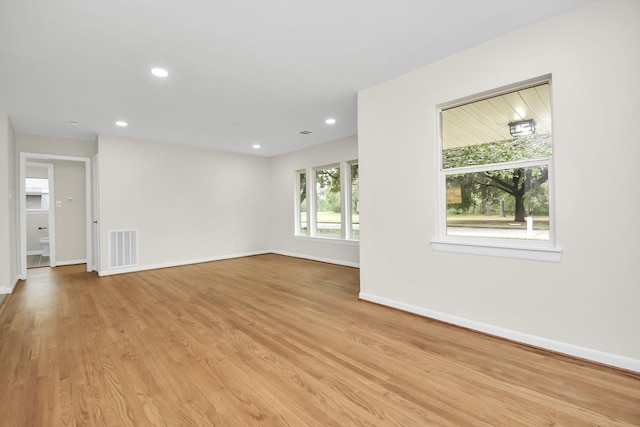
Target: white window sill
(328, 240)
(547, 254)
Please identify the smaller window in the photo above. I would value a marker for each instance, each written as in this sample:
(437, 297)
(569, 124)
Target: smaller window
(37, 193)
(328, 202)
(302, 223)
(355, 202)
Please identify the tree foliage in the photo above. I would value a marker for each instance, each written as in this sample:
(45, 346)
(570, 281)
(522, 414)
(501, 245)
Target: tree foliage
(328, 178)
(486, 186)
(511, 150)
(303, 187)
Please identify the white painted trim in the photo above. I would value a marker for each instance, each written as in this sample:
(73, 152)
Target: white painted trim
(545, 343)
(526, 253)
(71, 262)
(112, 271)
(314, 258)
(95, 205)
(5, 290)
(88, 212)
(297, 224)
(38, 252)
(337, 240)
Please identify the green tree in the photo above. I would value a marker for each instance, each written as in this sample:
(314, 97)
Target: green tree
(328, 182)
(518, 182)
(329, 179)
(303, 187)
(355, 188)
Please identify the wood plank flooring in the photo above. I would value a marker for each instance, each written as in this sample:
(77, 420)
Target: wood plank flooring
(271, 340)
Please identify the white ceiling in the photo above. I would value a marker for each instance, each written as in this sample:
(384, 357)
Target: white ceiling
(241, 71)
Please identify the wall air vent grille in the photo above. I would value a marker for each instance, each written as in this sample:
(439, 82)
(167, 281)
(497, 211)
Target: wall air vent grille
(123, 248)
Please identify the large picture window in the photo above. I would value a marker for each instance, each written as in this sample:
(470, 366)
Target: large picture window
(496, 169)
(331, 209)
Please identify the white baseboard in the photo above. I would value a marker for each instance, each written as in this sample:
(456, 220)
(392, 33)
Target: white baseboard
(9, 289)
(71, 262)
(314, 258)
(556, 346)
(112, 271)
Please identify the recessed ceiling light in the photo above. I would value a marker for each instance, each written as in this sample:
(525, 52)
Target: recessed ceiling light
(256, 146)
(122, 124)
(330, 121)
(159, 72)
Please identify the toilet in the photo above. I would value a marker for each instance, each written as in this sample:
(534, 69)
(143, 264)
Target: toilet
(44, 242)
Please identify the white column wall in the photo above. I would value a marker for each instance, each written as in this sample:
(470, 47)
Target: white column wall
(8, 207)
(587, 304)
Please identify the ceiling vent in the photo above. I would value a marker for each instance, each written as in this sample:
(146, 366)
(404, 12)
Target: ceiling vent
(305, 132)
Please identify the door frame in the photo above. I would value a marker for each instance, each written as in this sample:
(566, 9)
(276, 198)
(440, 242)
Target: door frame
(95, 214)
(24, 158)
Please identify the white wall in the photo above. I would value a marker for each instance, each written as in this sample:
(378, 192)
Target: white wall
(29, 143)
(8, 205)
(587, 304)
(282, 193)
(188, 204)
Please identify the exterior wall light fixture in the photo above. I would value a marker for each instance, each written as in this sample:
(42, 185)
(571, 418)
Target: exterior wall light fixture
(523, 127)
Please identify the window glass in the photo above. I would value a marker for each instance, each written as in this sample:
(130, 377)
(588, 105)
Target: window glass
(496, 158)
(515, 206)
(303, 225)
(34, 201)
(37, 193)
(328, 202)
(355, 206)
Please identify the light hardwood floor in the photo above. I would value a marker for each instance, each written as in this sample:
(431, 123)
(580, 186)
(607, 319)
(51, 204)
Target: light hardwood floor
(272, 340)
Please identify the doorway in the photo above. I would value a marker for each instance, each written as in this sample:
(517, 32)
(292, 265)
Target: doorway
(74, 228)
(40, 219)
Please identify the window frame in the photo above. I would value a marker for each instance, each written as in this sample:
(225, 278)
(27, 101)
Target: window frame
(314, 229)
(348, 199)
(346, 234)
(37, 191)
(298, 203)
(539, 250)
